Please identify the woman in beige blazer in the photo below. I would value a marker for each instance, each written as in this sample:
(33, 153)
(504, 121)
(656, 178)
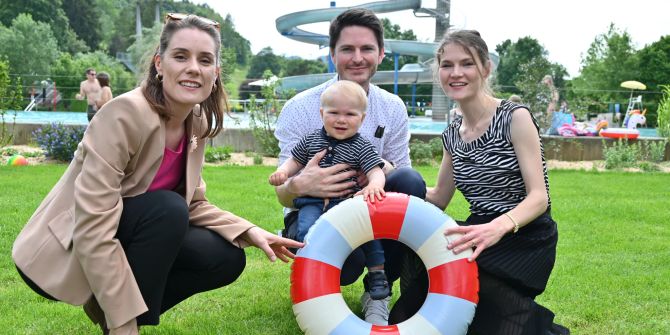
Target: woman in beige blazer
(127, 230)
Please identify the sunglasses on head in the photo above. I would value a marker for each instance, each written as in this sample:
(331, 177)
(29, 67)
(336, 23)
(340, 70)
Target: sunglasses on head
(180, 16)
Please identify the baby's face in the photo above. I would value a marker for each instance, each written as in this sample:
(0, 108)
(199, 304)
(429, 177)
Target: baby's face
(342, 118)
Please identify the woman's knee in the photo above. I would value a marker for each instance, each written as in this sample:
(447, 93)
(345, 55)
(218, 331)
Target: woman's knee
(406, 180)
(170, 211)
(207, 251)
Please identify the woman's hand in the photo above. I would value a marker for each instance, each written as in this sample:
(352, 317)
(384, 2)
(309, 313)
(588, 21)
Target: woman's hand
(477, 237)
(274, 246)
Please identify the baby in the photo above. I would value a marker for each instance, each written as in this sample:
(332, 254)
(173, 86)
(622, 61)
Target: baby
(343, 106)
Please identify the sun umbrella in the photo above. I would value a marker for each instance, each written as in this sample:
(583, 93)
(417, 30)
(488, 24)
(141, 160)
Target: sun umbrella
(633, 85)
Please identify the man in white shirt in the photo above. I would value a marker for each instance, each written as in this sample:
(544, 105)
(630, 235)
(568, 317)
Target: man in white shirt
(357, 48)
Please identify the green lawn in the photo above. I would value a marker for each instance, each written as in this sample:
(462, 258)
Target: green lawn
(612, 274)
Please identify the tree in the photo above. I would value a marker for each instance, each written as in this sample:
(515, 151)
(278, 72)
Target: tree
(30, 47)
(231, 39)
(10, 92)
(263, 61)
(654, 64)
(263, 116)
(83, 17)
(394, 32)
(143, 48)
(297, 66)
(610, 60)
(512, 56)
(534, 94)
(47, 11)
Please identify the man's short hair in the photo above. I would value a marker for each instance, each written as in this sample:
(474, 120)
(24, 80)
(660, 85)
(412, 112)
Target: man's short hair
(89, 70)
(356, 17)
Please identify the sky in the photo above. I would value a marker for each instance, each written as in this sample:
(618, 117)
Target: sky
(565, 28)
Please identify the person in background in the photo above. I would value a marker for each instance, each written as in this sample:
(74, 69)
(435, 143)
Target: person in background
(128, 231)
(493, 155)
(552, 104)
(515, 99)
(357, 48)
(89, 89)
(106, 93)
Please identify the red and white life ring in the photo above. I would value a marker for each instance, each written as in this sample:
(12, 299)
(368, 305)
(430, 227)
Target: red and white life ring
(315, 278)
(617, 133)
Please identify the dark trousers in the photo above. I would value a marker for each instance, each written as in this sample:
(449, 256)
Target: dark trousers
(90, 112)
(402, 180)
(171, 259)
(502, 309)
(506, 307)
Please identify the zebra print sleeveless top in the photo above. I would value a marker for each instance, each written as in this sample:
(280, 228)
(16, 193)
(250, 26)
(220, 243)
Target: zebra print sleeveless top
(486, 170)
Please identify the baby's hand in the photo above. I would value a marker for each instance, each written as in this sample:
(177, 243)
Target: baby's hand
(371, 192)
(278, 178)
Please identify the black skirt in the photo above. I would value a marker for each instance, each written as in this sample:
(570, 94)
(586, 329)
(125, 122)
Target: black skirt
(523, 260)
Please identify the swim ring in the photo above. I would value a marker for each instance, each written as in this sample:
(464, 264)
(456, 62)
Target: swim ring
(617, 133)
(315, 274)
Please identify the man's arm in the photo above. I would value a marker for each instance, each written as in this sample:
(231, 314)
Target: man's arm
(81, 95)
(316, 182)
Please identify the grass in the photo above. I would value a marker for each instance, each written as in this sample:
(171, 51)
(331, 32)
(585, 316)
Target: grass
(611, 276)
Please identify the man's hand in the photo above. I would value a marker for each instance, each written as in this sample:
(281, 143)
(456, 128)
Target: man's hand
(321, 182)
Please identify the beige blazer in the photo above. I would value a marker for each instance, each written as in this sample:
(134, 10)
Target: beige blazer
(68, 247)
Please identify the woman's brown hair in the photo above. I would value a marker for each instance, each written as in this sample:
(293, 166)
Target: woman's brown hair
(216, 104)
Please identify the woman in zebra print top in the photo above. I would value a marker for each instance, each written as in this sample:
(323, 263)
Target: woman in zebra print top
(494, 157)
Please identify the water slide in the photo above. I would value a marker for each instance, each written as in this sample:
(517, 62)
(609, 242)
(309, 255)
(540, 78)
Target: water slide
(287, 25)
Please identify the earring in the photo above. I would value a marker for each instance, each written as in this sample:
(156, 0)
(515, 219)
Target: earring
(159, 77)
(214, 87)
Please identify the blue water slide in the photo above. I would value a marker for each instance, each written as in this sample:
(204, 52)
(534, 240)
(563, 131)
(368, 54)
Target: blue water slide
(287, 25)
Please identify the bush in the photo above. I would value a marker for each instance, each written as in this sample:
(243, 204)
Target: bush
(655, 151)
(59, 141)
(436, 147)
(217, 154)
(258, 159)
(646, 158)
(621, 155)
(663, 114)
(420, 153)
(8, 152)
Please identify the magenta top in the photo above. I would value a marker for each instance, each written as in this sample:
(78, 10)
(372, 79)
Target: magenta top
(171, 170)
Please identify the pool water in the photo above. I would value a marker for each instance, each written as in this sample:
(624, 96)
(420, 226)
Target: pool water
(416, 125)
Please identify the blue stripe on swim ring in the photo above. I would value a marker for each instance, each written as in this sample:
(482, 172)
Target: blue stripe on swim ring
(421, 221)
(352, 325)
(325, 244)
(450, 315)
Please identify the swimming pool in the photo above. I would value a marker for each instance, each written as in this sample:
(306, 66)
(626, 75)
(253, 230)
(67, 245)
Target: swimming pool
(418, 125)
(241, 121)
